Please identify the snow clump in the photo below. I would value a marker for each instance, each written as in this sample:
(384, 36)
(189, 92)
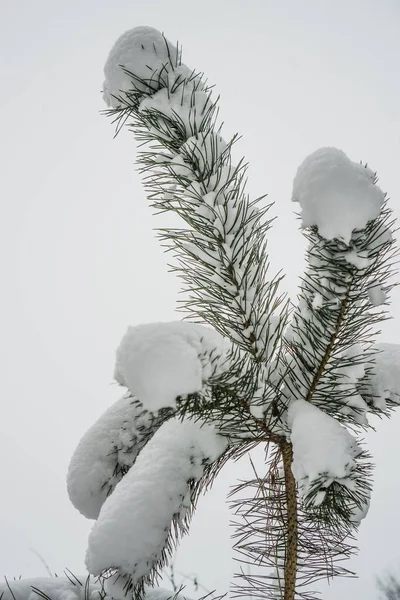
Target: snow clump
(335, 194)
(322, 449)
(106, 452)
(158, 362)
(142, 53)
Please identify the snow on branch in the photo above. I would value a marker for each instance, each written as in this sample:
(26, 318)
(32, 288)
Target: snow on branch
(325, 454)
(141, 59)
(107, 451)
(220, 253)
(335, 194)
(159, 362)
(132, 533)
(350, 262)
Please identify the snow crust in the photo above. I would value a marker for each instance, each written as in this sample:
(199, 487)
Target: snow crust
(146, 53)
(321, 448)
(335, 194)
(111, 444)
(159, 361)
(133, 526)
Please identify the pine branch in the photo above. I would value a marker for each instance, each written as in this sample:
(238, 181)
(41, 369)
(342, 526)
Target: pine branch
(329, 347)
(336, 315)
(221, 255)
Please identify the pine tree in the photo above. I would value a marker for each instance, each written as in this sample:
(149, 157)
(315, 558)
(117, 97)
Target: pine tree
(247, 366)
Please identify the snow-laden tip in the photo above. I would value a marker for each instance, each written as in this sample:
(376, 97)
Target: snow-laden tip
(335, 194)
(133, 526)
(106, 451)
(158, 362)
(145, 53)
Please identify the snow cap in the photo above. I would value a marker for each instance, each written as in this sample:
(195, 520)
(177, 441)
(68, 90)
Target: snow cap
(335, 194)
(144, 52)
(159, 361)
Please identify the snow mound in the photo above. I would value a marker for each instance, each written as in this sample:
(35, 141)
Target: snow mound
(159, 361)
(106, 452)
(335, 194)
(148, 55)
(133, 526)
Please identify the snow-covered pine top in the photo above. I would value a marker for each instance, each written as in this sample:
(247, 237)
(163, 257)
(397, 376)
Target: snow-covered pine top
(158, 362)
(335, 194)
(144, 53)
(221, 257)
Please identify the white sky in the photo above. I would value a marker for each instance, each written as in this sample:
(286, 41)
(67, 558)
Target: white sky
(79, 261)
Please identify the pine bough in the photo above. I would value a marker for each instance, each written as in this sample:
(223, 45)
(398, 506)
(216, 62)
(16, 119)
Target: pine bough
(248, 366)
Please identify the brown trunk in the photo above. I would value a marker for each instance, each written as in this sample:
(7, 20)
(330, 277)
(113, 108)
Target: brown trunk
(291, 507)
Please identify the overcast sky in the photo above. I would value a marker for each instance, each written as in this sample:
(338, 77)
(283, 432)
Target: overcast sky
(79, 260)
